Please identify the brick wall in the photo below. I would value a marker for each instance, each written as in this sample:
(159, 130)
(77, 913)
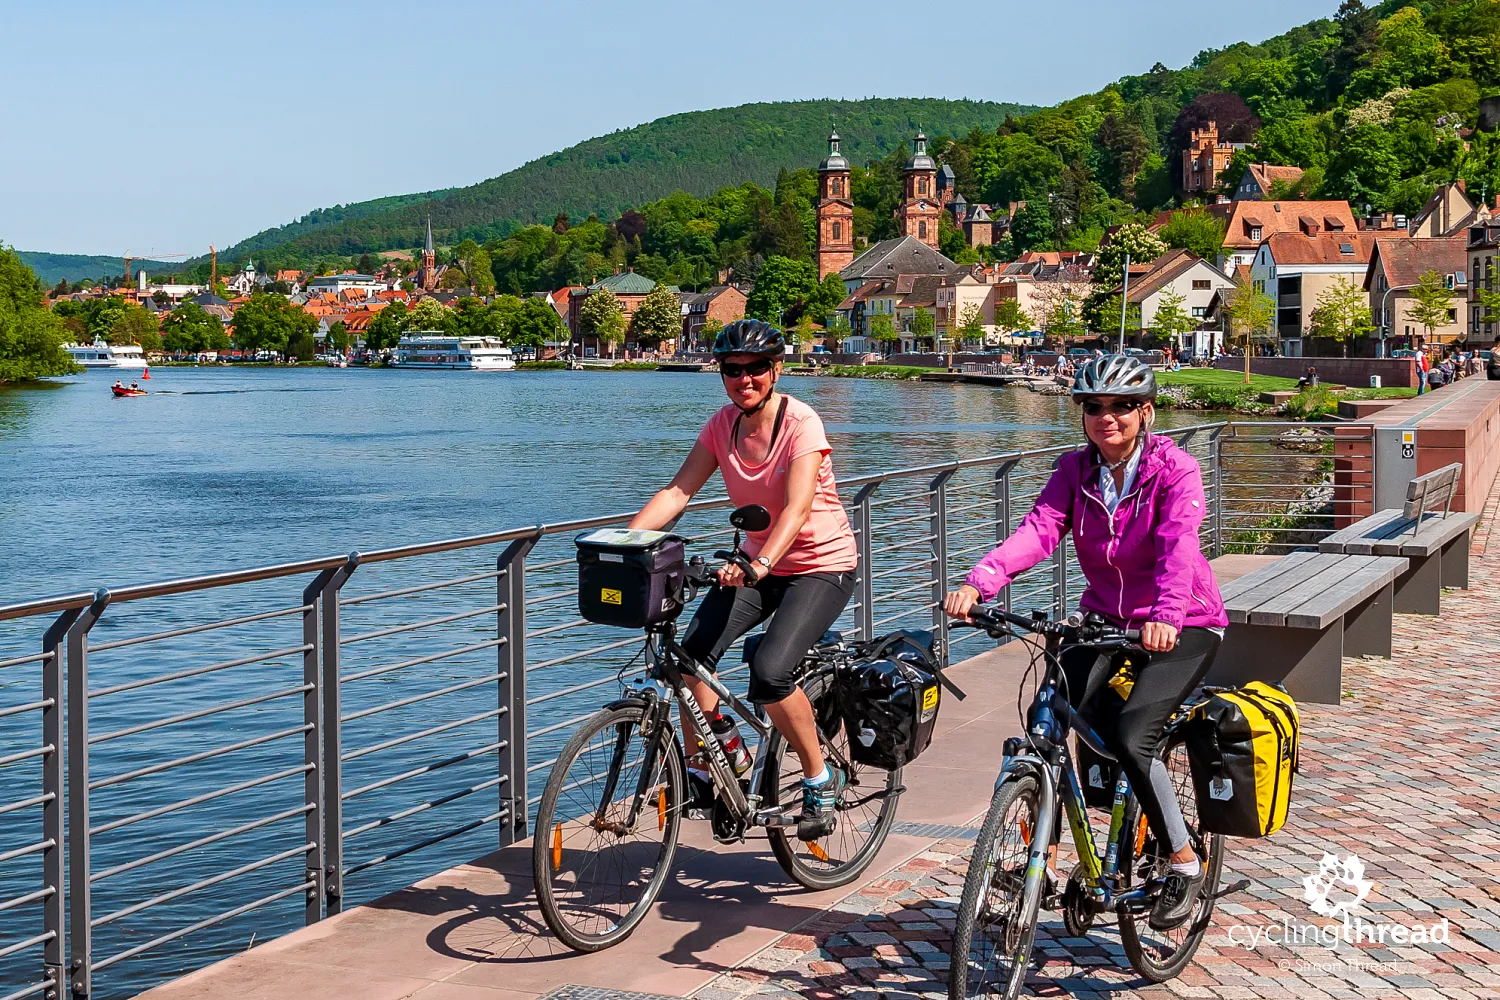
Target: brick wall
(1353, 372)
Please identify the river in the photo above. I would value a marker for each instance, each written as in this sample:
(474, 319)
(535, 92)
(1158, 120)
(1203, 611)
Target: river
(222, 468)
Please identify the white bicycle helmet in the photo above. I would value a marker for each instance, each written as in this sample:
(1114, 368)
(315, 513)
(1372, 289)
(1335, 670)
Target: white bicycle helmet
(1115, 375)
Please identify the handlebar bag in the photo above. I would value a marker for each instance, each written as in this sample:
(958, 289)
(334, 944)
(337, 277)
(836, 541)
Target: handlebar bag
(889, 700)
(631, 578)
(1242, 748)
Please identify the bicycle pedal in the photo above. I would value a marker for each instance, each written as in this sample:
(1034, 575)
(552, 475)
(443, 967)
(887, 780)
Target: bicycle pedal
(698, 812)
(776, 817)
(1053, 902)
(809, 830)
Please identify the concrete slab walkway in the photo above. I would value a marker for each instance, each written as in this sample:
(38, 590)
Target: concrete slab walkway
(1403, 774)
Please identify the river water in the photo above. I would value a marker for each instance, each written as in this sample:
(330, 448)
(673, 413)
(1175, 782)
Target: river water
(225, 468)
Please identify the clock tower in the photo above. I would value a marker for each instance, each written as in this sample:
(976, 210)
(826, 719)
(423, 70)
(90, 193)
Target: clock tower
(921, 207)
(835, 212)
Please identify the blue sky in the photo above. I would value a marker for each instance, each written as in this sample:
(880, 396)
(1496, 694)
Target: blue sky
(164, 127)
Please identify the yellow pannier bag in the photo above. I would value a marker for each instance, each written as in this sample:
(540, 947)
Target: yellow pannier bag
(1242, 746)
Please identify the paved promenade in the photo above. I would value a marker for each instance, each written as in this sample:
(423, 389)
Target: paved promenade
(1404, 774)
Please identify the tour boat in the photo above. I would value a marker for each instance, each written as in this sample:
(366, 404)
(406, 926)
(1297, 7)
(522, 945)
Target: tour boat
(102, 355)
(436, 350)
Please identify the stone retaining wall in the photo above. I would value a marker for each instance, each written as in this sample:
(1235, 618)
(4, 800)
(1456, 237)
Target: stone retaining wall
(1353, 372)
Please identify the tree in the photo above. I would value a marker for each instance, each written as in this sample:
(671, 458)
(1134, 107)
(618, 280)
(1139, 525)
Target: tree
(970, 326)
(386, 328)
(338, 337)
(1248, 312)
(1010, 317)
(883, 331)
(1109, 319)
(1032, 228)
(922, 325)
(1171, 321)
(1058, 312)
(1134, 239)
(658, 317)
(1342, 313)
(429, 315)
(837, 331)
(1197, 232)
(135, 325)
(783, 283)
(709, 332)
(189, 329)
(825, 298)
(536, 324)
(1431, 301)
(268, 323)
(602, 316)
(31, 336)
(302, 345)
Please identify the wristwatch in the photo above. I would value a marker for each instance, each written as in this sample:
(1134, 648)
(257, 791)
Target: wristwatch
(766, 563)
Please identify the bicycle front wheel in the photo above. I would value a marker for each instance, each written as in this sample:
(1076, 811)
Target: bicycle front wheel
(607, 828)
(1161, 955)
(865, 809)
(997, 914)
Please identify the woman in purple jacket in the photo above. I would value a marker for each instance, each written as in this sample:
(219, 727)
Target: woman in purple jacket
(1134, 503)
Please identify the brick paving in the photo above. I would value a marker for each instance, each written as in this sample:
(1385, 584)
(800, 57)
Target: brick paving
(1405, 774)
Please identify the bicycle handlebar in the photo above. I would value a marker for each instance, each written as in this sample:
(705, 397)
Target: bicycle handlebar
(1090, 630)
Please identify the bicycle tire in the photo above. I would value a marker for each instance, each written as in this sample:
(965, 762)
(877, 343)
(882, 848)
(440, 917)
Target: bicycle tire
(1021, 933)
(567, 903)
(843, 858)
(1144, 945)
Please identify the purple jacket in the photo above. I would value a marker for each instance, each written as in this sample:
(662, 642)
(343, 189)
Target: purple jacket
(1143, 563)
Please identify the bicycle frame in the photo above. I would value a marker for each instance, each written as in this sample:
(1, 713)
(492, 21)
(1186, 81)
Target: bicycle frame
(1049, 760)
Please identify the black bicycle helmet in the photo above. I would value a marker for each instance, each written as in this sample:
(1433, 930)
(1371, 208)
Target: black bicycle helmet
(749, 336)
(1115, 375)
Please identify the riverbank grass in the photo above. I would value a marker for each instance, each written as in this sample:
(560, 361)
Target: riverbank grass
(1225, 379)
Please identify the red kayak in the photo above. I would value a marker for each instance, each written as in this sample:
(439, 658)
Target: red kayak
(120, 390)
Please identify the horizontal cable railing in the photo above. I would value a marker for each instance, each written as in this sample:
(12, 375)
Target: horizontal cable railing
(255, 749)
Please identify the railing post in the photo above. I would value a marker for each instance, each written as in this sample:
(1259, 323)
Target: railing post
(1002, 517)
(937, 501)
(332, 735)
(510, 624)
(80, 908)
(312, 746)
(1217, 533)
(54, 915)
(864, 584)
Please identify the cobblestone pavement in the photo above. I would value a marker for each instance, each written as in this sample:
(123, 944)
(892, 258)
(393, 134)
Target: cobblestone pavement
(1404, 774)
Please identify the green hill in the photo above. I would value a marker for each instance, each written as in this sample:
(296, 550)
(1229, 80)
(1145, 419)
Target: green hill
(697, 152)
(51, 268)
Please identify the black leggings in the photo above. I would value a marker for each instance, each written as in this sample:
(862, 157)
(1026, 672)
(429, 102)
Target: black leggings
(1132, 729)
(809, 605)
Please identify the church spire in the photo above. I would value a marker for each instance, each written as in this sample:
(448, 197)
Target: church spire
(427, 276)
(428, 247)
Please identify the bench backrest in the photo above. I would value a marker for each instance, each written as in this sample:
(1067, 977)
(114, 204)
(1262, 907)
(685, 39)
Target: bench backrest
(1435, 487)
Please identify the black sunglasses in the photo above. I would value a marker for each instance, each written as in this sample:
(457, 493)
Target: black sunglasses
(1120, 407)
(731, 369)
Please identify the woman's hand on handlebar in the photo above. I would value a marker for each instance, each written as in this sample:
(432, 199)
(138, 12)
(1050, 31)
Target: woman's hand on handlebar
(1158, 637)
(958, 603)
(734, 575)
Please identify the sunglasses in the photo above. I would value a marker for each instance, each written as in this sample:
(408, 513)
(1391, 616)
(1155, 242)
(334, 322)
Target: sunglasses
(1118, 408)
(730, 369)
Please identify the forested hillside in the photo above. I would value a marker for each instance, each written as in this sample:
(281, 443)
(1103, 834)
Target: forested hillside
(50, 268)
(697, 152)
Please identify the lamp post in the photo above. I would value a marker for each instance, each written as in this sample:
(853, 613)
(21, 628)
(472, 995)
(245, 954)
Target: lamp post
(1124, 302)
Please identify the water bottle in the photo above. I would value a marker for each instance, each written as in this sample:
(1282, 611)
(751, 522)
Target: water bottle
(728, 735)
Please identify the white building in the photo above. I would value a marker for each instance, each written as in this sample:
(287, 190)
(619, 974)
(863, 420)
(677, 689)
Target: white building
(1184, 274)
(337, 284)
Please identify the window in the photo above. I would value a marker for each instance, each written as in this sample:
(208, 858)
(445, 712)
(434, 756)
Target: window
(1200, 311)
(1347, 249)
(838, 231)
(921, 185)
(1255, 232)
(1453, 315)
(921, 230)
(1201, 284)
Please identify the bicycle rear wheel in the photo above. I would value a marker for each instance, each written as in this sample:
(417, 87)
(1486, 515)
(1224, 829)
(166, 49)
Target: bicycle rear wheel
(997, 915)
(1161, 955)
(865, 810)
(597, 871)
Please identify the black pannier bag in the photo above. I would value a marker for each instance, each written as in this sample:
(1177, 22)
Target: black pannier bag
(1096, 774)
(889, 700)
(628, 577)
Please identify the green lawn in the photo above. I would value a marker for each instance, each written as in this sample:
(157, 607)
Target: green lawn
(1231, 380)
(1386, 392)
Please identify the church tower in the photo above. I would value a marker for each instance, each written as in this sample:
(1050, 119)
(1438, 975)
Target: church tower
(835, 212)
(919, 211)
(427, 276)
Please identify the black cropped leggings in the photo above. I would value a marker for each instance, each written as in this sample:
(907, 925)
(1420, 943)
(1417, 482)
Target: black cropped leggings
(1132, 729)
(801, 609)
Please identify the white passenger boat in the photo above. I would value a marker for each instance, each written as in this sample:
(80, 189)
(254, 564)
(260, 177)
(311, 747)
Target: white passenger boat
(437, 350)
(102, 355)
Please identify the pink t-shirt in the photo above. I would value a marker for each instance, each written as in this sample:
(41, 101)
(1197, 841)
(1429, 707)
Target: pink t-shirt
(826, 543)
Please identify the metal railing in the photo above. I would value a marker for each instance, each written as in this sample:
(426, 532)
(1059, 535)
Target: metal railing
(251, 750)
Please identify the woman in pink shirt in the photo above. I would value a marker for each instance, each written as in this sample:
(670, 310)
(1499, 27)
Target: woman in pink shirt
(770, 450)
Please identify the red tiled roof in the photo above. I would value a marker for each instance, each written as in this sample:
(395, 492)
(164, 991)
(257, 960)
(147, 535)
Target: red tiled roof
(1403, 260)
(1325, 248)
(1274, 217)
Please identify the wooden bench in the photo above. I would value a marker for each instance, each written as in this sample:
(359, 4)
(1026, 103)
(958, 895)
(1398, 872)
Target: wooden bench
(1435, 541)
(1294, 620)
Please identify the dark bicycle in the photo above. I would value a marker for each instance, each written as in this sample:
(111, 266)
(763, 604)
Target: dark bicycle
(608, 822)
(1006, 886)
